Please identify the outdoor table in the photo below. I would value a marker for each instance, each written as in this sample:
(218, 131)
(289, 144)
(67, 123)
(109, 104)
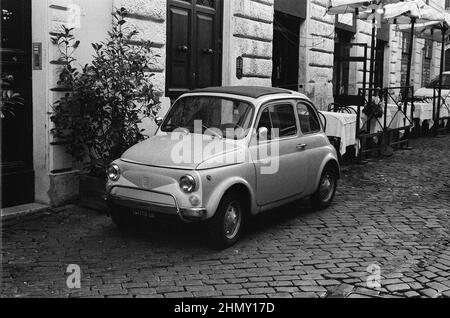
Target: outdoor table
(422, 112)
(444, 114)
(342, 126)
(398, 118)
(445, 110)
(375, 125)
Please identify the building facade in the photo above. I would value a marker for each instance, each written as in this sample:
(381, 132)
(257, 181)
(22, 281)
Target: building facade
(283, 43)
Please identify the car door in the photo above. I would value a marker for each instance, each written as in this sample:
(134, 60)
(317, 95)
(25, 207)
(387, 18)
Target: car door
(312, 140)
(279, 161)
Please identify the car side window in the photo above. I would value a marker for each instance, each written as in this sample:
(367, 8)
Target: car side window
(279, 120)
(283, 120)
(265, 122)
(309, 123)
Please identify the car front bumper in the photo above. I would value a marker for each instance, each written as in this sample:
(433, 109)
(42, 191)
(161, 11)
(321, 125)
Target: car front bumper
(184, 214)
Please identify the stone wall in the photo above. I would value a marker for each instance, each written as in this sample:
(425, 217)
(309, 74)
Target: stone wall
(250, 35)
(363, 35)
(395, 47)
(317, 54)
(149, 18)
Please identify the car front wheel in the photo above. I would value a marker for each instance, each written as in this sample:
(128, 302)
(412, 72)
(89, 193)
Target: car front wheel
(326, 191)
(123, 220)
(225, 227)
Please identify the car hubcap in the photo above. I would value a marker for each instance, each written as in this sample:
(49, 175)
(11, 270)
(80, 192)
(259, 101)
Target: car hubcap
(327, 187)
(232, 221)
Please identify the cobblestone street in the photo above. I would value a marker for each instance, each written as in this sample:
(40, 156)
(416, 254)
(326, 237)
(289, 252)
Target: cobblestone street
(392, 213)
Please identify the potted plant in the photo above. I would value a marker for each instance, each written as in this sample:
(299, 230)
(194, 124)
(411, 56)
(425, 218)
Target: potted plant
(104, 103)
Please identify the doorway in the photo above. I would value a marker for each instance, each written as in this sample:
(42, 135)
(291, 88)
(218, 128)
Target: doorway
(194, 45)
(346, 63)
(286, 44)
(16, 84)
(379, 64)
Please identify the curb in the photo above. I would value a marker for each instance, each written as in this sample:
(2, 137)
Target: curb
(28, 211)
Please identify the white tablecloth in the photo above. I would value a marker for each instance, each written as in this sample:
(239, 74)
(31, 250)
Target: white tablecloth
(342, 126)
(445, 112)
(422, 111)
(375, 125)
(398, 118)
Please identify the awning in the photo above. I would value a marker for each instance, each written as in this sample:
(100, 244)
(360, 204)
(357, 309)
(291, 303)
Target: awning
(351, 6)
(429, 30)
(402, 12)
(346, 6)
(293, 7)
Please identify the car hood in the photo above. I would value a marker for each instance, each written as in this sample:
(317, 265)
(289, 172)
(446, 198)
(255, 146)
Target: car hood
(176, 150)
(428, 92)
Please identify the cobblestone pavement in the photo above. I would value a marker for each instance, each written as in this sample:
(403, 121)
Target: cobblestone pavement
(392, 213)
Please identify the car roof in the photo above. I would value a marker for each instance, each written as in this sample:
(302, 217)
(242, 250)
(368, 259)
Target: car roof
(247, 91)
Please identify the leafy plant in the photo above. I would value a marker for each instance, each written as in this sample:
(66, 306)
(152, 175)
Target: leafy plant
(99, 118)
(67, 46)
(9, 99)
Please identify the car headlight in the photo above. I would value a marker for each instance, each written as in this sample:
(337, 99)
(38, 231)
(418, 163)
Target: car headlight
(113, 172)
(187, 184)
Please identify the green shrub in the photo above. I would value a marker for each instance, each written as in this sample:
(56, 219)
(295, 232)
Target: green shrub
(105, 101)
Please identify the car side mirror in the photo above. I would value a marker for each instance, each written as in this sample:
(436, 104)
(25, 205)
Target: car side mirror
(159, 121)
(263, 134)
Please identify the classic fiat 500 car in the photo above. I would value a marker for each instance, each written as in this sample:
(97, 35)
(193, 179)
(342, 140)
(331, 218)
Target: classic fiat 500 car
(222, 155)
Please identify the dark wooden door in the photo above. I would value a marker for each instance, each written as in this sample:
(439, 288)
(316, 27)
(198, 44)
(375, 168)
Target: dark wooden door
(194, 45)
(16, 124)
(286, 42)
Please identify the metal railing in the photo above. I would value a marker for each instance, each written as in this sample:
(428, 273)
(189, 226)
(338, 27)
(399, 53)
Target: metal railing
(386, 136)
(438, 105)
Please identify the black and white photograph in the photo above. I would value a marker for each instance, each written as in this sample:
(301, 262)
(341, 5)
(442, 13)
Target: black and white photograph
(218, 156)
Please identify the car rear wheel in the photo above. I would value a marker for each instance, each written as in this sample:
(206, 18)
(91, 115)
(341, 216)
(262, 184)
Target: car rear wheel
(326, 191)
(225, 227)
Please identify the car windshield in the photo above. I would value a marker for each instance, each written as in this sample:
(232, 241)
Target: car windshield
(215, 116)
(445, 82)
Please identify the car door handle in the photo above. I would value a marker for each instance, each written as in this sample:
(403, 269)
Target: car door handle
(302, 146)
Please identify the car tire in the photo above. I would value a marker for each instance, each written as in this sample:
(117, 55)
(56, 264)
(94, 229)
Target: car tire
(326, 191)
(225, 228)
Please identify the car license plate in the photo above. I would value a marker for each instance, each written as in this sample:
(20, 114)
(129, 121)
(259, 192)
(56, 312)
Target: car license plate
(144, 214)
